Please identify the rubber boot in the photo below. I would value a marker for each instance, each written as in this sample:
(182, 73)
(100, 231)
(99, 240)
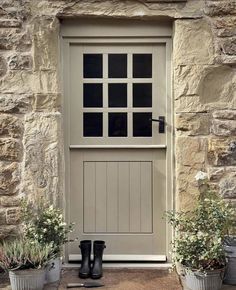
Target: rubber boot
(85, 248)
(98, 247)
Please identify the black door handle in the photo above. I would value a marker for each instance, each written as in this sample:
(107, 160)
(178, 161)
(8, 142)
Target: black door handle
(161, 121)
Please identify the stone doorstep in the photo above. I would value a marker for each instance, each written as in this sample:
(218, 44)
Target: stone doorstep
(66, 278)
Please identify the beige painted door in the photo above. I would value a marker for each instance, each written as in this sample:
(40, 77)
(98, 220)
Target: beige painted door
(117, 154)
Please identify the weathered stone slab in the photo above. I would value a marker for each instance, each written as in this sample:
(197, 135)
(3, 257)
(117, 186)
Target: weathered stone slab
(9, 178)
(19, 104)
(45, 43)
(28, 82)
(12, 216)
(42, 145)
(192, 124)
(188, 39)
(222, 151)
(10, 126)
(226, 26)
(10, 149)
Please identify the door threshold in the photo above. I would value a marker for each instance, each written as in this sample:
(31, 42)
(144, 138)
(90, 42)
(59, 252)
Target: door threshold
(158, 266)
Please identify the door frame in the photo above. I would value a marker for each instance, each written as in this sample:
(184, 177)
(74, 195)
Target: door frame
(90, 31)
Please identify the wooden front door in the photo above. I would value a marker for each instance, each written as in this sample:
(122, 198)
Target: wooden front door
(117, 138)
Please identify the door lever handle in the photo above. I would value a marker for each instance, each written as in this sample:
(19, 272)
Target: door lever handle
(161, 121)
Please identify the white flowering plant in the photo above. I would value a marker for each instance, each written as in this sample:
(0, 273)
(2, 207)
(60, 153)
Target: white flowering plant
(199, 233)
(44, 223)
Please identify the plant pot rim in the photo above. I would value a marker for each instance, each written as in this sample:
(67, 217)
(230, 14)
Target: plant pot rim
(26, 271)
(203, 271)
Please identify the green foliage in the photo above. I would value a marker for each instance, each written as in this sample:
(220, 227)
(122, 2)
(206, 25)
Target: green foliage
(23, 254)
(44, 223)
(199, 234)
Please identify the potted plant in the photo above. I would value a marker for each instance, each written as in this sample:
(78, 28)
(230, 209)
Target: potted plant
(199, 234)
(230, 249)
(45, 223)
(26, 261)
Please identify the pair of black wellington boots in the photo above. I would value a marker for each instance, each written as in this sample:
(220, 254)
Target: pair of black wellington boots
(86, 271)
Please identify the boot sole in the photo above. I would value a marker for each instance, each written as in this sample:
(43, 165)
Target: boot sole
(96, 276)
(84, 276)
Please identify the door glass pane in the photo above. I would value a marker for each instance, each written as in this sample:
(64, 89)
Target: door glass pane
(92, 65)
(92, 124)
(117, 95)
(117, 65)
(142, 95)
(142, 65)
(117, 125)
(142, 125)
(92, 95)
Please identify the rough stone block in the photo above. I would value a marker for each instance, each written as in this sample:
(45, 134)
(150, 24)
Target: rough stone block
(10, 149)
(12, 216)
(19, 104)
(228, 46)
(188, 39)
(6, 23)
(216, 173)
(10, 126)
(218, 85)
(225, 114)
(222, 151)
(192, 124)
(2, 216)
(186, 186)
(9, 178)
(42, 145)
(20, 62)
(8, 231)
(220, 8)
(3, 66)
(225, 26)
(223, 127)
(47, 102)
(187, 79)
(190, 151)
(15, 38)
(10, 201)
(228, 186)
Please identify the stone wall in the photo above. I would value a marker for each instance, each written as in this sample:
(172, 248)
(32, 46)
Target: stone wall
(204, 94)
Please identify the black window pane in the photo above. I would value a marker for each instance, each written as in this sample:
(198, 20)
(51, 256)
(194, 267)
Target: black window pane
(142, 95)
(117, 65)
(92, 95)
(117, 95)
(92, 65)
(142, 65)
(117, 125)
(142, 125)
(92, 124)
